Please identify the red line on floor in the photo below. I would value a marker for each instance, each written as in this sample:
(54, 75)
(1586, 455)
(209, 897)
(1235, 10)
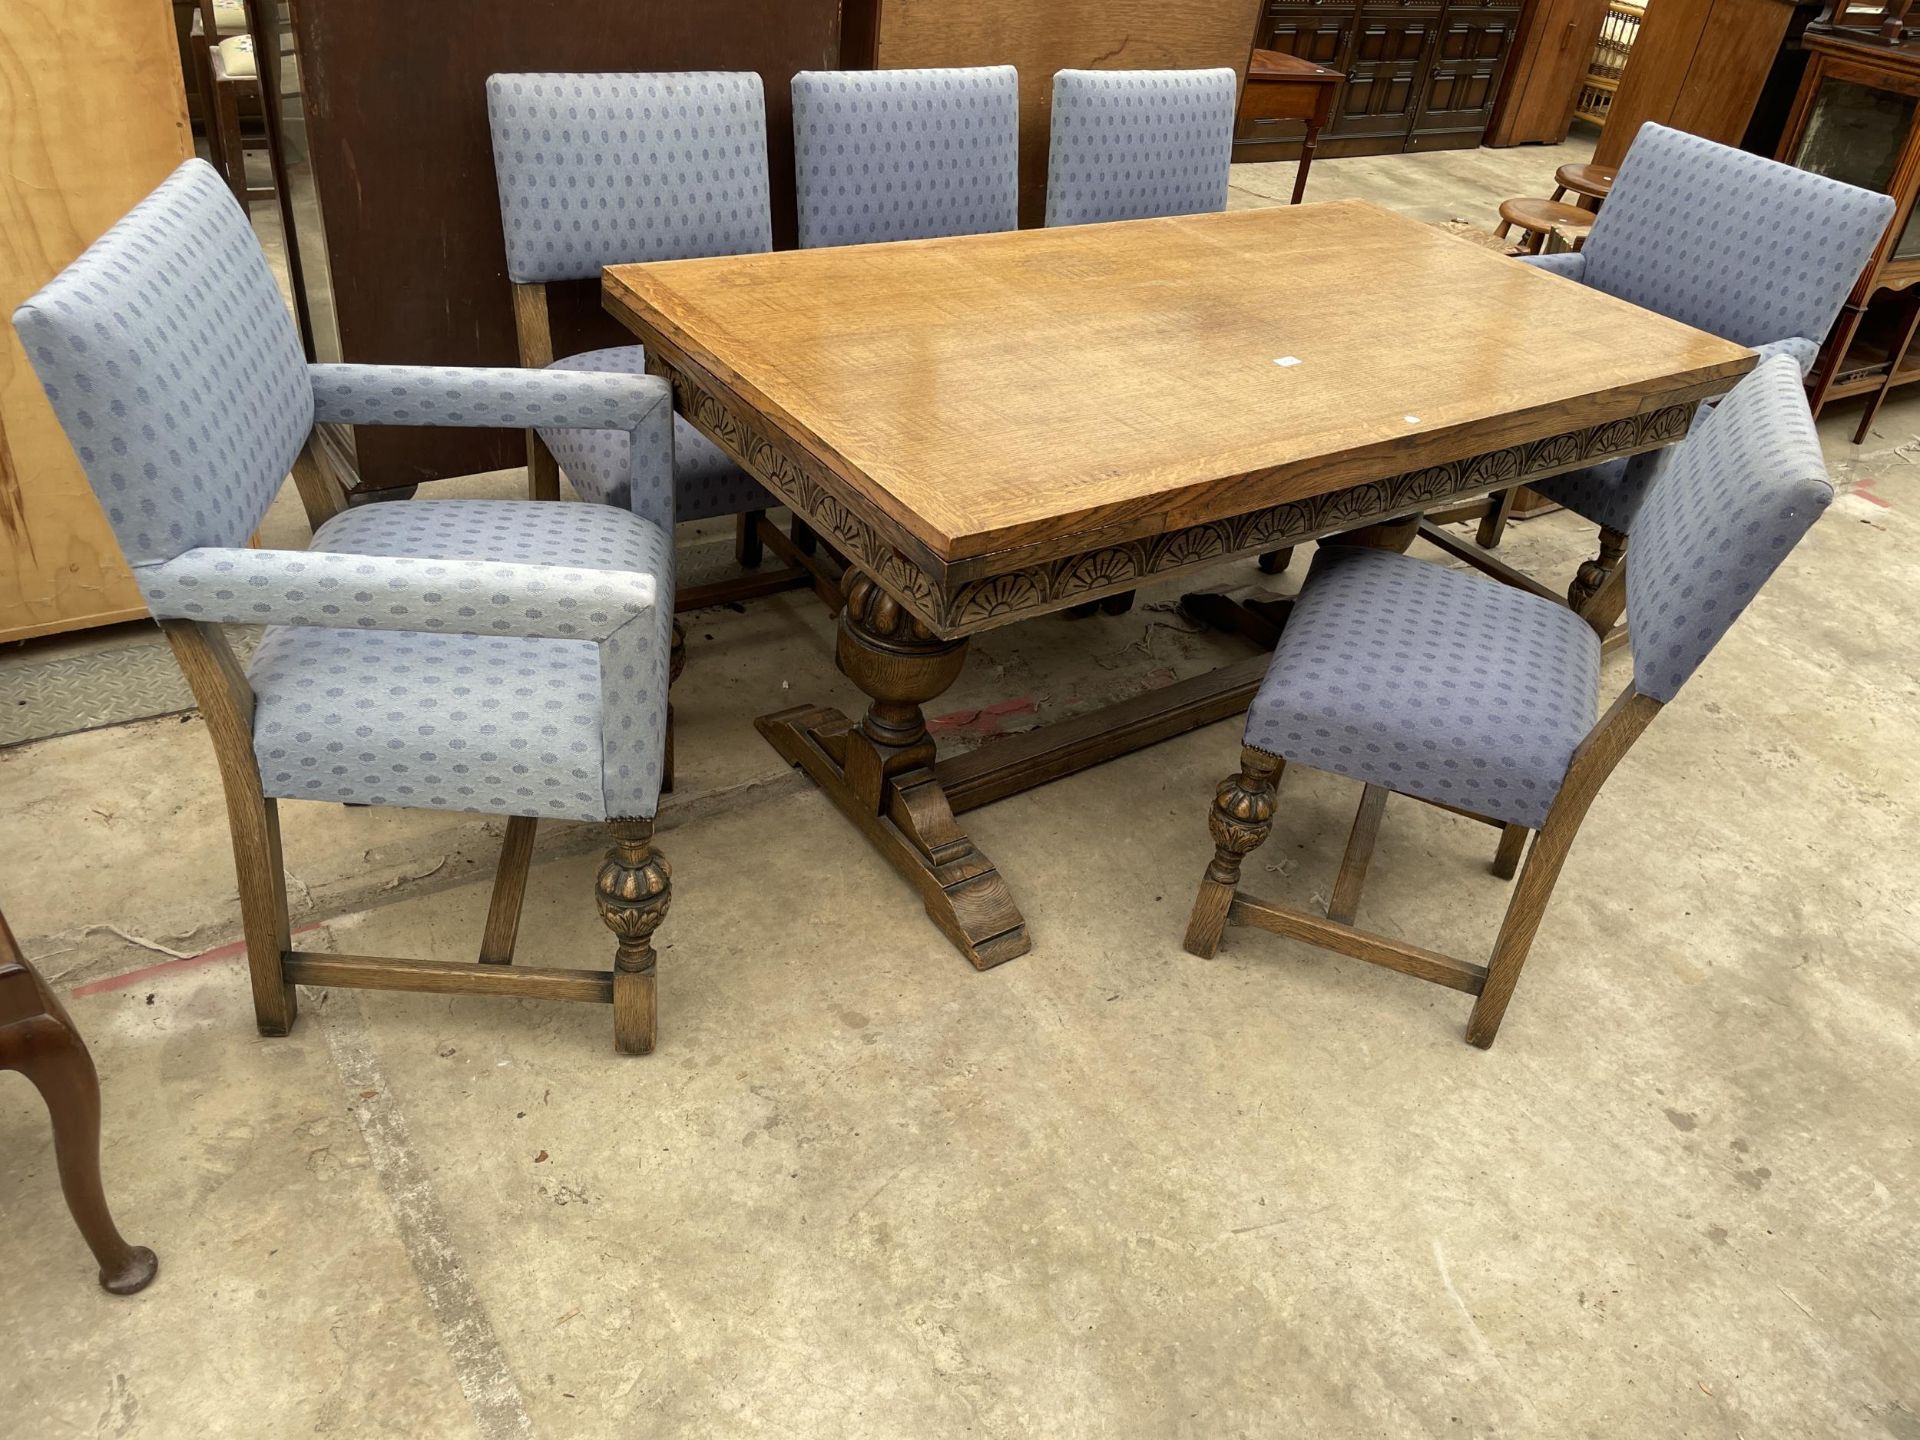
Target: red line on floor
(167, 967)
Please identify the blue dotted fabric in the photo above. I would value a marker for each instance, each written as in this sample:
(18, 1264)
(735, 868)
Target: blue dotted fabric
(1129, 144)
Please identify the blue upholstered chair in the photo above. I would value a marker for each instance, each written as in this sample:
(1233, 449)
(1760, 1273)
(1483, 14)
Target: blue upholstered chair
(1130, 144)
(498, 656)
(1742, 247)
(613, 169)
(1481, 698)
(905, 154)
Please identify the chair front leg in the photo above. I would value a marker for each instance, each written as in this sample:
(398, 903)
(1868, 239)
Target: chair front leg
(1241, 819)
(749, 550)
(1493, 524)
(1593, 573)
(633, 889)
(543, 471)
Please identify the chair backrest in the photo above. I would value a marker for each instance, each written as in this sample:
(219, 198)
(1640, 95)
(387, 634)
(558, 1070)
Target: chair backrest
(1744, 247)
(1726, 506)
(599, 170)
(1127, 144)
(906, 154)
(175, 369)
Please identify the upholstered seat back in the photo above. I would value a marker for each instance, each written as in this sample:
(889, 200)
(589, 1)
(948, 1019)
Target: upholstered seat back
(906, 154)
(175, 369)
(1127, 144)
(1727, 505)
(1743, 247)
(598, 170)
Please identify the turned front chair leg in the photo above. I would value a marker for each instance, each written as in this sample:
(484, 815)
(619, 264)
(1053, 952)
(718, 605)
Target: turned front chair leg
(1593, 573)
(633, 889)
(1241, 819)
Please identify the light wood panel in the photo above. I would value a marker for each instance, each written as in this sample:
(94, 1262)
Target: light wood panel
(1698, 66)
(1040, 38)
(93, 114)
(987, 393)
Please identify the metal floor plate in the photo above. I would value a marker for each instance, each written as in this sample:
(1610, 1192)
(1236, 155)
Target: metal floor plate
(53, 687)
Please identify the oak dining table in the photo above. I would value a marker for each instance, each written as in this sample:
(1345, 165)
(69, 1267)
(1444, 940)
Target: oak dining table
(992, 427)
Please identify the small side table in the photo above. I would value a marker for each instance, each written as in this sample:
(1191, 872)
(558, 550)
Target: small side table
(38, 1040)
(1284, 87)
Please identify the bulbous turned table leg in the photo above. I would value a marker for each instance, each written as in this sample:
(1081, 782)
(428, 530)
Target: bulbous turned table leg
(880, 771)
(633, 890)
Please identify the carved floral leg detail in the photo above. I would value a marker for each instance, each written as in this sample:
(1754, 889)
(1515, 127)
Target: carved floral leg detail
(1593, 573)
(633, 889)
(1241, 820)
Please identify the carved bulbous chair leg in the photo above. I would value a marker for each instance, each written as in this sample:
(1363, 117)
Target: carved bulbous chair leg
(633, 889)
(1241, 820)
(1593, 573)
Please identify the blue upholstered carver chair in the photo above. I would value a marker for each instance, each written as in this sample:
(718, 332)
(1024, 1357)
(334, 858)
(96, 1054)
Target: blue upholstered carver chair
(1745, 248)
(1130, 144)
(598, 170)
(1481, 698)
(498, 656)
(905, 154)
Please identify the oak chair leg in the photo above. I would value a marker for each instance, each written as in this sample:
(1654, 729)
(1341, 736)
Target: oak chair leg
(1345, 903)
(676, 663)
(1522, 923)
(633, 890)
(1506, 860)
(1241, 819)
(543, 471)
(748, 548)
(509, 892)
(1593, 573)
(1493, 524)
(1275, 561)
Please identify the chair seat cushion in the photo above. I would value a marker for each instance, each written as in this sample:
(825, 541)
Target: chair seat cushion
(498, 724)
(230, 16)
(705, 481)
(1429, 682)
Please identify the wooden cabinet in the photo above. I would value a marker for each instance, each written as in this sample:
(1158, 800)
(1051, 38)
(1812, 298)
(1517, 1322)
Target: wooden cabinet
(1550, 62)
(1857, 119)
(1421, 75)
(1697, 65)
(89, 128)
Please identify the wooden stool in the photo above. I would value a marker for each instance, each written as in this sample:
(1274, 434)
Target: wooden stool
(1537, 217)
(1589, 183)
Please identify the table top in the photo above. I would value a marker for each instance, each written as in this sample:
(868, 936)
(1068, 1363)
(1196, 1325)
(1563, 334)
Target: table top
(1022, 389)
(1278, 65)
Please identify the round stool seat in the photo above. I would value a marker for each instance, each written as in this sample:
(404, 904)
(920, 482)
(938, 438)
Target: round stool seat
(1539, 217)
(1592, 181)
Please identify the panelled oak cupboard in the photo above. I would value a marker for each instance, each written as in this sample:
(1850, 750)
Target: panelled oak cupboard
(1421, 74)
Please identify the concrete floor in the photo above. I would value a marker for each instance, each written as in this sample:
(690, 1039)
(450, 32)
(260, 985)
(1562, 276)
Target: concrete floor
(1104, 1190)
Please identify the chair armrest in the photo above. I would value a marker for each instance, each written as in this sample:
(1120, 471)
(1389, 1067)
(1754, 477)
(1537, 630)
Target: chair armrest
(342, 591)
(461, 396)
(496, 398)
(1572, 264)
(1797, 348)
